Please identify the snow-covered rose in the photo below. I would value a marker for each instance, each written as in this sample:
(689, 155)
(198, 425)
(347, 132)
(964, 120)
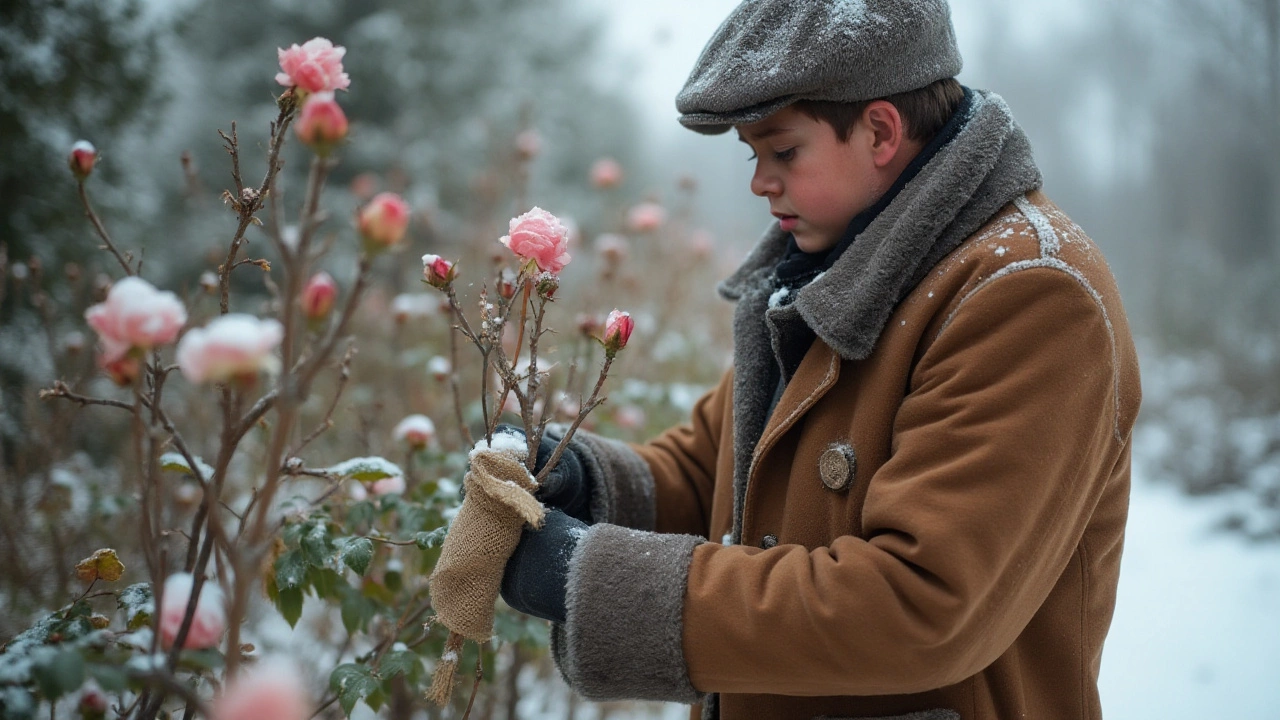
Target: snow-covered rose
(315, 66)
(436, 271)
(646, 217)
(439, 367)
(235, 346)
(606, 173)
(407, 306)
(617, 330)
(135, 315)
(271, 691)
(82, 158)
(319, 295)
(539, 237)
(415, 430)
(384, 220)
(393, 485)
(210, 618)
(322, 123)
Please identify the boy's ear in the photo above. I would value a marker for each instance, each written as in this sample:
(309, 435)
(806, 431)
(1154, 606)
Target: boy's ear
(888, 133)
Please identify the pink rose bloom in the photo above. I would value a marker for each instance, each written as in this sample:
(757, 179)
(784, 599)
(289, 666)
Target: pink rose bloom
(316, 66)
(617, 330)
(321, 124)
(270, 691)
(416, 430)
(646, 217)
(539, 237)
(235, 346)
(606, 173)
(319, 295)
(210, 618)
(393, 485)
(384, 220)
(135, 315)
(82, 159)
(529, 144)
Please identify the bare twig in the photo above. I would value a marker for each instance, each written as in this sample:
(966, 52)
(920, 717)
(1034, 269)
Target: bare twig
(102, 231)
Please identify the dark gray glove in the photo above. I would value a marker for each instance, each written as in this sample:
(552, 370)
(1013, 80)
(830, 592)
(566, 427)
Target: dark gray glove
(566, 486)
(537, 575)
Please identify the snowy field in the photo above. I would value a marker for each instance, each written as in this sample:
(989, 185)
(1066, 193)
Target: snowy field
(1197, 626)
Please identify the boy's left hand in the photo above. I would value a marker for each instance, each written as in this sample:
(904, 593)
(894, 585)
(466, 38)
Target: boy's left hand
(537, 575)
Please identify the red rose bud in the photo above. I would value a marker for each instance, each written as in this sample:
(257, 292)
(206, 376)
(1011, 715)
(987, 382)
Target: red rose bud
(82, 159)
(319, 295)
(384, 220)
(322, 124)
(617, 330)
(438, 272)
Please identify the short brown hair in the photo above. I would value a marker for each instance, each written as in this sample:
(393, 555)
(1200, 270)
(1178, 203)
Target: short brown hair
(924, 111)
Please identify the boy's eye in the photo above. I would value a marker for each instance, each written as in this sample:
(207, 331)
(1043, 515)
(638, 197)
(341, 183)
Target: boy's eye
(753, 157)
(785, 155)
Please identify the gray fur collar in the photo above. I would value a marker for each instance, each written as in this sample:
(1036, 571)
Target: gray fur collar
(985, 167)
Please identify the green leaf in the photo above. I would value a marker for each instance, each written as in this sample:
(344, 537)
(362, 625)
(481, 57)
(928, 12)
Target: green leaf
(291, 570)
(317, 547)
(357, 554)
(352, 683)
(429, 540)
(111, 677)
(325, 582)
(175, 462)
(365, 469)
(205, 659)
(360, 514)
(290, 604)
(398, 662)
(357, 610)
(138, 604)
(58, 672)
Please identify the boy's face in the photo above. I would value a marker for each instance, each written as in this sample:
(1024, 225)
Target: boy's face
(814, 183)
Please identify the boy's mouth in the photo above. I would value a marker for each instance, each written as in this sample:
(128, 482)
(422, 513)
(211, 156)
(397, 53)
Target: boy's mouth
(787, 222)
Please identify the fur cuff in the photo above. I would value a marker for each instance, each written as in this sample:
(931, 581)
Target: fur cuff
(621, 482)
(624, 636)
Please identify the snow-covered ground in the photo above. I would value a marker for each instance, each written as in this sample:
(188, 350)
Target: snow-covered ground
(1197, 626)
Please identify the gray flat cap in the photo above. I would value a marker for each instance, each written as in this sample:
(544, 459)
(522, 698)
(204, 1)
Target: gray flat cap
(770, 53)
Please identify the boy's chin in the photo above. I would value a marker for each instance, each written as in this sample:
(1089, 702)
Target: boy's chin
(810, 243)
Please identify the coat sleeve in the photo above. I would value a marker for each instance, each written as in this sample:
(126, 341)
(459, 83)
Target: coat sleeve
(665, 484)
(1000, 452)
(683, 461)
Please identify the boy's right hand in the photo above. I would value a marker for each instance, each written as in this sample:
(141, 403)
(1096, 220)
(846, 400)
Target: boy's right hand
(565, 487)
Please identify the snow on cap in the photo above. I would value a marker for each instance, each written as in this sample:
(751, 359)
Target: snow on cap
(770, 53)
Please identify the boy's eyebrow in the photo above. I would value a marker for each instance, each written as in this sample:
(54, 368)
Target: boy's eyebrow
(764, 134)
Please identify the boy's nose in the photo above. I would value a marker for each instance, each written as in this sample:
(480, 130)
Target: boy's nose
(765, 184)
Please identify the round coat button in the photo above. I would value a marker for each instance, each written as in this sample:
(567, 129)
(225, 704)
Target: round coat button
(837, 466)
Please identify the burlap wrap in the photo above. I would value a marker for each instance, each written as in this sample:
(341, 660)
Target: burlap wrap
(468, 575)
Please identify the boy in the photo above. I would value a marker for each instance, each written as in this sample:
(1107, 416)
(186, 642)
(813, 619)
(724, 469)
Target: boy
(916, 474)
